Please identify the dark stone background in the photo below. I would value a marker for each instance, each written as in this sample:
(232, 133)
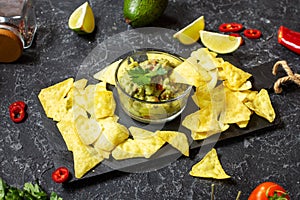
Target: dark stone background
(270, 155)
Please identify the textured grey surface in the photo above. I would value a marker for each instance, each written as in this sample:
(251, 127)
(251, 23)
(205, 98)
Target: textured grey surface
(57, 52)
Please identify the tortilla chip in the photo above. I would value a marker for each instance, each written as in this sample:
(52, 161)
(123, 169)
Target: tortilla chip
(138, 147)
(209, 167)
(202, 120)
(235, 110)
(128, 149)
(81, 83)
(108, 73)
(53, 99)
(139, 133)
(262, 105)
(245, 86)
(88, 99)
(201, 96)
(150, 146)
(112, 135)
(205, 58)
(104, 104)
(242, 124)
(176, 139)
(186, 73)
(88, 129)
(67, 130)
(85, 158)
(234, 77)
(199, 135)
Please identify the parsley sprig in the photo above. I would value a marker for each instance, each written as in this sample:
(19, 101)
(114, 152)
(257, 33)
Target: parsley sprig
(29, 192)
(143, 76)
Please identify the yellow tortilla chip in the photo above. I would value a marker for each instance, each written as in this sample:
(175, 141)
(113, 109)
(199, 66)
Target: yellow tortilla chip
(262, 105)
(67, 130)
(201, 96)
(150, 146)
(128, 149)
(205, 58)
(251, 95)
(137, 148)
(199, 135)
(209, 167)
(242, 124)
(202, 120)
(241, 95)
(112, 135)
(81, 83)
(85, 158)
(104, 104)
(245, 86)
(235, 110)
(88, 99)
(53, 98)
(88, 129)
(234, 77)
(186, 73)
(108, 73)
(139, 133)
(176, 139)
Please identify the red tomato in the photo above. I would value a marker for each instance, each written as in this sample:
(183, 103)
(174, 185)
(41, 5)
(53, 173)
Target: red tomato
(60, 175)
(268, 191)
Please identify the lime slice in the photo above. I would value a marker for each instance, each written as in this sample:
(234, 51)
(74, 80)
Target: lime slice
(219, 43)
(190, 34)
(82, 20)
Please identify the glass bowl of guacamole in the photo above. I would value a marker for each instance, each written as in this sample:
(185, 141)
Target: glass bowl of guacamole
(146, 90)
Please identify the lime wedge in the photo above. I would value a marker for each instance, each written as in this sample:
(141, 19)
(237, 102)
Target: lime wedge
(190, 34)
(219, 43)
(82, 20)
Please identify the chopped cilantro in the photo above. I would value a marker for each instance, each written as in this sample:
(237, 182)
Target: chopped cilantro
(143, 76)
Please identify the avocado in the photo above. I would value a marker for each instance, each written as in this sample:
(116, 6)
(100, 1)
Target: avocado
(139, 13)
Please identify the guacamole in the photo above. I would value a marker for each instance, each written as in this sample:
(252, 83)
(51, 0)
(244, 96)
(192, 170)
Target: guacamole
(150, 81)
(146, 91)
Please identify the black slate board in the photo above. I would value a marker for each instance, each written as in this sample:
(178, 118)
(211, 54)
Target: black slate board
(262, 78)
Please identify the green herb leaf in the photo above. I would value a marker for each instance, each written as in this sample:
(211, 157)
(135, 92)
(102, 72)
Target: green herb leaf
(30, 192)
(35, 191)
(2, 188)
(142, 76)
(54, 196)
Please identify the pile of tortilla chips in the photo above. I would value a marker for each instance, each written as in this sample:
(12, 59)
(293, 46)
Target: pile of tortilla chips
(223, 95)
(86, 120)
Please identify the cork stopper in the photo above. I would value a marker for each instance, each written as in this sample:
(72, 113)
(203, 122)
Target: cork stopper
(11, 46)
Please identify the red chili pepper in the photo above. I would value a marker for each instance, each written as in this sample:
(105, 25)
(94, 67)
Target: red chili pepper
(60, 175)
(237, 35)
(252, 33)
(289, 38)
(230, 27)
(17, 113)
(20, 103)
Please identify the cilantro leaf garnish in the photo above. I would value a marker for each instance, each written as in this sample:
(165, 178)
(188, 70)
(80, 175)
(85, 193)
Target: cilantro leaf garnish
(143, 76)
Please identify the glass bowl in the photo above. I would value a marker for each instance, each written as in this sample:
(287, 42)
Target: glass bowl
(145, 88)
